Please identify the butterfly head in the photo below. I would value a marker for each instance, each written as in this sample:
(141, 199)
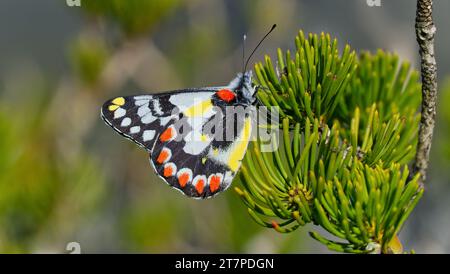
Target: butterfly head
(243, 87)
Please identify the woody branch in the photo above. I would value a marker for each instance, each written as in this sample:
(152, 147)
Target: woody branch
(425, 30)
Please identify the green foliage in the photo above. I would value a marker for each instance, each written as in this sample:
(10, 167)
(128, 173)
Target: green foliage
(382, 80)
(366, 205)
(386, 91)
(134, 17)
(311, 82)
(88, 57)
(39, 187)
(348, 129)
(381, 142)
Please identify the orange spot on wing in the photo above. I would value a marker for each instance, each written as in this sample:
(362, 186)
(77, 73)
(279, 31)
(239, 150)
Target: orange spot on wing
(183, 179)
(214, 183)
(166, 135)
(168, 171)
(200, 186)
(163, 156)
(226, 95)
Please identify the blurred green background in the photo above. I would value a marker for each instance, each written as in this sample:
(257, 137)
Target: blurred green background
(66, 177)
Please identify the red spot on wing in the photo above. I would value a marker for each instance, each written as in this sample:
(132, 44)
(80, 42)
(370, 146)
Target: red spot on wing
(163, 156)
(214, 182)
(200, 186)
(226, 95)
(167, 134)
(168, 171)
(183, 178)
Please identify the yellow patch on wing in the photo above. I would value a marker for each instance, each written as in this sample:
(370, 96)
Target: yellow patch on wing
(116, 103)
(204, 138)
(120, 101)
(199, 109)
(239, 149)
(113, 107)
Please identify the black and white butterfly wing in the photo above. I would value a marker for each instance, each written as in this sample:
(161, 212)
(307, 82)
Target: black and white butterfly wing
(141, 118)
(186, 157)
(138, 118)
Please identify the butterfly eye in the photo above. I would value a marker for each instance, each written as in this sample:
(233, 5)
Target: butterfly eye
(226, 95)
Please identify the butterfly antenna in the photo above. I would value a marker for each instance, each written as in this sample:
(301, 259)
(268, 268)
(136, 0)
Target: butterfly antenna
(257, 46)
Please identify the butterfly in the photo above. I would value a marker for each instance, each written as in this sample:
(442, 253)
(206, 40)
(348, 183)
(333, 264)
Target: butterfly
(195, 143)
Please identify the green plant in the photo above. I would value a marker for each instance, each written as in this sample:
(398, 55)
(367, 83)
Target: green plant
(348, 130)
(39, 184)
(134, 17)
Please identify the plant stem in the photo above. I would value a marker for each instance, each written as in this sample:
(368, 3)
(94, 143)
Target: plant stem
(425, 31)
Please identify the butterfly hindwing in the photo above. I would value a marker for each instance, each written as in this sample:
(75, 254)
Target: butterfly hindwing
(195, 175)
(199, 166)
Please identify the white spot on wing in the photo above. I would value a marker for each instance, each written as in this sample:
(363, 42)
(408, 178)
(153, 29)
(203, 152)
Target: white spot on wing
(141, 102)
(148, 118)
(143, 110)
(165, 120)
(125, 122)
(157, 108)
(120, 112)
(143, 97)
(185, 100)
(194, 145)
(135, 129)
(148, 135)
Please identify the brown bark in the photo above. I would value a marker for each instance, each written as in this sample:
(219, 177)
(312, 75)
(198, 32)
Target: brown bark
(425, 31)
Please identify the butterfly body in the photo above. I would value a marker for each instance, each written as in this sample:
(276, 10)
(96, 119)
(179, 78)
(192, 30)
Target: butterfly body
(196, 138)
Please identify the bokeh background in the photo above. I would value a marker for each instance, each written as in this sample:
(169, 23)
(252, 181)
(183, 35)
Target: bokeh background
(66, 177)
